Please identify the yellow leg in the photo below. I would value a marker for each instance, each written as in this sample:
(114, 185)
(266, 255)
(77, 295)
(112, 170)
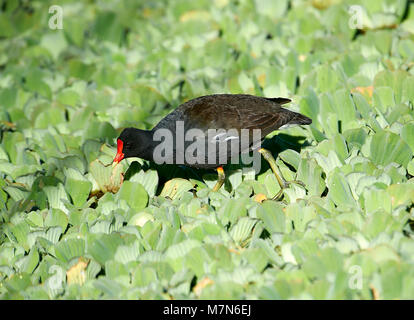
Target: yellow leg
(278, 174)
(220, 181)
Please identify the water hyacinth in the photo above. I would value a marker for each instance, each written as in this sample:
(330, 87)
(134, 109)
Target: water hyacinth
(74, 227)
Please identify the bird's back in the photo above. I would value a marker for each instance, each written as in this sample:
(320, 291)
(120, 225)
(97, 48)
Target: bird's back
(228, 111)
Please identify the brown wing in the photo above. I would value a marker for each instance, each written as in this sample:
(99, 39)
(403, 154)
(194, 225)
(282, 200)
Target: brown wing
(236, 112)
(225, 112)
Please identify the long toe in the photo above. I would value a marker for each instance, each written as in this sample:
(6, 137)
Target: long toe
(278, 195)
(288, 183)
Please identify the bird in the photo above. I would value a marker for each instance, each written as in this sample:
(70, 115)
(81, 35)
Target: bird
(210, 131)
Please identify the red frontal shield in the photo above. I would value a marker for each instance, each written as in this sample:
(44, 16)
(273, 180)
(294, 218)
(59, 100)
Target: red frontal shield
(119, 155)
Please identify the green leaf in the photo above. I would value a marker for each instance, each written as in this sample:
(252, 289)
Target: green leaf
(242, 229)
(68, 249)
(401, 194)
(175, 188)
(310, 173)
(53, 234)
(102, 247)
(176, 253)
(377, 200)
(20, 232)
(30, 261)
(291, 157)
(339, 190)
(407, 133)
(55, 42)
(232, 209)
(56, 195)
(148, 179)
(366, 111)
(19, 282)
(134, 194)
(56, 217)
(68, 97)
(35, 218)
(125, 254)
(107, 178)
(77, 186)
(272, 215)
(387, 147)
(326, 261)
(100, 130)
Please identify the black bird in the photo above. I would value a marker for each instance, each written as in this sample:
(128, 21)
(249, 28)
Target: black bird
(210, 131)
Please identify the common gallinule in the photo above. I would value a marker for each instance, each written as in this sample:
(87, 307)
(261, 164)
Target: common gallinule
(189, 136)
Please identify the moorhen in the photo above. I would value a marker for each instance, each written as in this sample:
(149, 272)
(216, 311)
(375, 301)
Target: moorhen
(183, 136)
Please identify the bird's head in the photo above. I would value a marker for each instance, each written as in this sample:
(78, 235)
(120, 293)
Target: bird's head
(128, 144)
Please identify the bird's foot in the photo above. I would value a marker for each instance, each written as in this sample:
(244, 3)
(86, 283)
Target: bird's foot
(285, 185)
(288, 183)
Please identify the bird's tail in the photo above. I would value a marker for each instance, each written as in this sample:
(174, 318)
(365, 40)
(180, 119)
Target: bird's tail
(298, 118)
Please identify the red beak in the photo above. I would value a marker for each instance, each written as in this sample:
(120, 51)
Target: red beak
(119, 155)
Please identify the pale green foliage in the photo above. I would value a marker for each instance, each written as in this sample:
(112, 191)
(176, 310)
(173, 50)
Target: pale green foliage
(73, 227)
